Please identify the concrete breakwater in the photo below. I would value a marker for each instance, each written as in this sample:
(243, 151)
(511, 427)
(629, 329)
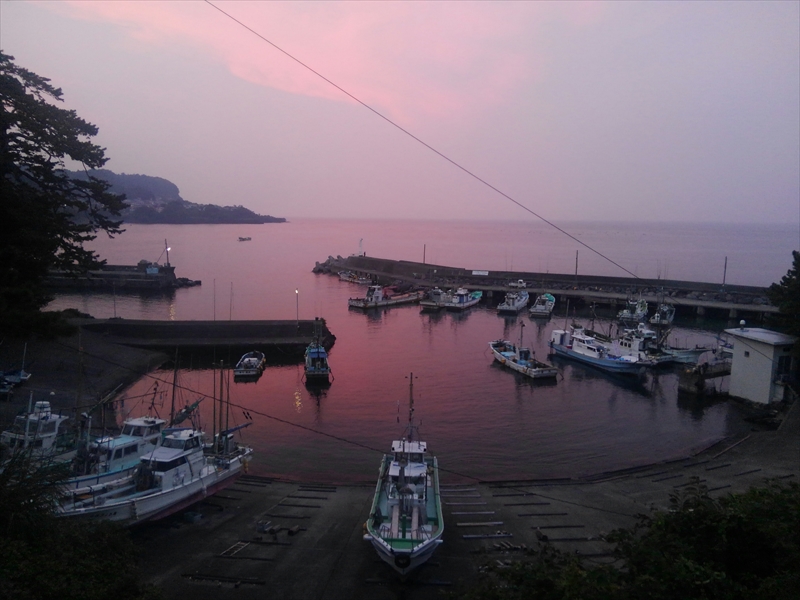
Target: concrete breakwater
(714, 299)
(274, 338)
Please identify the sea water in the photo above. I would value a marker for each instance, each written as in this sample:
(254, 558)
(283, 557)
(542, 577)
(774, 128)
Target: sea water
(480, 419)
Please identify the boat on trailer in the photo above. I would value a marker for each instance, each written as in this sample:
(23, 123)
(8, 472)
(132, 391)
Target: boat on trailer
(405, 523)
(521, 359)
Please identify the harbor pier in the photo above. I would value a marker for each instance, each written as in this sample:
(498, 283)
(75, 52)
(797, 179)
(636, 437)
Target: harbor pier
(279, 339)
(688, 297)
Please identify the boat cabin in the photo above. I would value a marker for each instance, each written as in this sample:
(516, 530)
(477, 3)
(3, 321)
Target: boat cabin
(40, 430)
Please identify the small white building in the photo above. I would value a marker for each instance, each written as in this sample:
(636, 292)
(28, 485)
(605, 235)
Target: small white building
(761, 364)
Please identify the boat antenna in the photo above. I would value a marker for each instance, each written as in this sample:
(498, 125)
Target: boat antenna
(521, 331)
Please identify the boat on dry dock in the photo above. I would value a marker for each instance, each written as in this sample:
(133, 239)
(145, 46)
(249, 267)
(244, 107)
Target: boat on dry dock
(405, 523)
(378, 297)
(521, 359)
(178, 473)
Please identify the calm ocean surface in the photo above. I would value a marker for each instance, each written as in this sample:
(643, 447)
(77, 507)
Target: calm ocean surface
(479, 419)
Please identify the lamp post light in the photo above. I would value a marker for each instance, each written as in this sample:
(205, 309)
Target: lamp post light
(297, 307)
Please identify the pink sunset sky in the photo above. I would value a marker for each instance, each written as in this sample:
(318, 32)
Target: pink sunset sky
(623, 111)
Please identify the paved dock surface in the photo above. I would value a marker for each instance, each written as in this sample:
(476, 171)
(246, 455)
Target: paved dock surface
(302, 540)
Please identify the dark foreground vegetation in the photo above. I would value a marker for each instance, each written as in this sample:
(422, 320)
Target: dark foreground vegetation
(740, 547)
(46, 558)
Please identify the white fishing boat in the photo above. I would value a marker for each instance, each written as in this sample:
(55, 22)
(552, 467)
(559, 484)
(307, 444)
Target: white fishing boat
(317, 369)
(435, 300)
(175, 475)
(635, 312)
(351, 277)
(251, 365)
(112, 458)
(378, 297)
(462, 299)
(405, 523)
(543, 306)
(664, 315)
(514, 302)
(521, 359)
(577, 345)
(42, 433)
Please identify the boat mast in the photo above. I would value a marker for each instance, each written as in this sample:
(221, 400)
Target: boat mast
(411, 407)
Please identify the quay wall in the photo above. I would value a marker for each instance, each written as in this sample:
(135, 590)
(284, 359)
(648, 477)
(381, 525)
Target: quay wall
(731, 301)
(278, 338)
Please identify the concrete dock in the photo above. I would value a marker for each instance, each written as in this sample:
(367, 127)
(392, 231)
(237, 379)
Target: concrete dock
(303, 540)
(712, 299)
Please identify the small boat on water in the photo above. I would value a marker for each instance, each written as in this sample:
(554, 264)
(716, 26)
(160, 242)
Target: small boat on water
(462, 299)
(378, 296)
(521, 359)
(543, 306)
(635, 312)
(577, 345)
(317, 369)
(351, 277)
(664, 315)
(514, 302)
(251, 365)
(435, 300)
(244, 239)
(405, 523)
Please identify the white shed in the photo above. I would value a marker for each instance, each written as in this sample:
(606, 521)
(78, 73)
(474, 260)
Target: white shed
(761, 364)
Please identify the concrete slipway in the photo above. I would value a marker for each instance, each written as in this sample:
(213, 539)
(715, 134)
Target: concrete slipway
(281, 539)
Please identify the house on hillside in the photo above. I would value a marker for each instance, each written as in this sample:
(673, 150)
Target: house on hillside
(761, 365)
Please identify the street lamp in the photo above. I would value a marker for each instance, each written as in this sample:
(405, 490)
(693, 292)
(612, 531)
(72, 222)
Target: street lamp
(297, 306)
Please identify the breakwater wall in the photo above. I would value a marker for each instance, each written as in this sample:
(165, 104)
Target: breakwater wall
(277, 339)
(702, 298)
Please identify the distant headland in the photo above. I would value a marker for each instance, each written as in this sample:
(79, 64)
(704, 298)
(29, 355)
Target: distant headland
(154, 200)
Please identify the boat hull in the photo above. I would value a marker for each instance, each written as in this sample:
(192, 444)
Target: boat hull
(532, 369)
(141, 507)
(363, 303)
(405, 554)
(612, 366)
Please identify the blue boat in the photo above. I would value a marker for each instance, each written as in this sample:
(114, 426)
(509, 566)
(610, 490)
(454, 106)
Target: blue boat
(317, 369)
(577, 345)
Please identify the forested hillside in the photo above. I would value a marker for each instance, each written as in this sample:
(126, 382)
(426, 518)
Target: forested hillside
(157, 200)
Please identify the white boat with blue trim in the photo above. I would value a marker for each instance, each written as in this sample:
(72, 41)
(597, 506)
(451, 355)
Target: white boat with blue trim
(575, 344)
(521, 359)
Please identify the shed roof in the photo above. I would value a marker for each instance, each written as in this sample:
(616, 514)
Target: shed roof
(765, 336)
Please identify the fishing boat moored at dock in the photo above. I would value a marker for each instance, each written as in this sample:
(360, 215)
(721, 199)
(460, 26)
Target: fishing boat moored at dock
(378, 297)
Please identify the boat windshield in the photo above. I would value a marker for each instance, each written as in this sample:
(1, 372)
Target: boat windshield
(181, 444)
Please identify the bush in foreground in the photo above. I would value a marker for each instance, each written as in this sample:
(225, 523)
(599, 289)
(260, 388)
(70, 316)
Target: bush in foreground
(740, 547)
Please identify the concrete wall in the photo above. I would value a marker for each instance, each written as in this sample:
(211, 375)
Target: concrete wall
(752, 370)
